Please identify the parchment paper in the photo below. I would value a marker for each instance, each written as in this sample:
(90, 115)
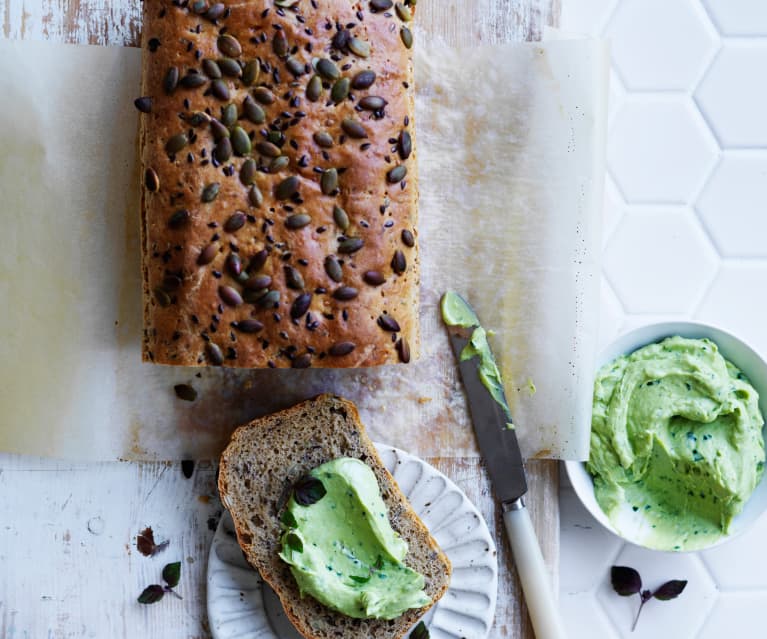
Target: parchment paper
(511, 160)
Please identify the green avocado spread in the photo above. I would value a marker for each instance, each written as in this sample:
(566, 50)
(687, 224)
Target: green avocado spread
(342, 550)
(676, 443)
(456, 312)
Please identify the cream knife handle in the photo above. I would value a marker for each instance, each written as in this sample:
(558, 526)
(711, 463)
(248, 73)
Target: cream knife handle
(536, 584)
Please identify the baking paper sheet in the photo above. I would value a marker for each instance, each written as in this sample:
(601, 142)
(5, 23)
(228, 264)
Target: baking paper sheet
(510, 144)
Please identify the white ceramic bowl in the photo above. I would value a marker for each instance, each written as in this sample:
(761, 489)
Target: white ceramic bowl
(734, 350)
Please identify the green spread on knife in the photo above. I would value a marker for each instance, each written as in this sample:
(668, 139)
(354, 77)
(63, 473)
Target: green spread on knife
(456, 312)
(342, 550)
(677, 441)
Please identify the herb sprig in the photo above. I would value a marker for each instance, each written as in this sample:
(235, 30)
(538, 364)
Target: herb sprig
(627, 581)
(171, 574)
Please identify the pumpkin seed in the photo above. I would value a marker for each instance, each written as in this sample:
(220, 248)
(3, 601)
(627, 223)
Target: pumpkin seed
(340, 90)
(263, 95)
(258, 282)
(404, 145)
(251, 72)
(364, 80)
(280, 44)
(353, 128)
(249, 326)
(229, 296)
(188, 394)
(323, 139)
(295, 66)
(287, 188)
(198, 118)
(162, 298)
(170, 82)
(199, 6)
(276, 137)
(314, 89)
(403, 350)
(230, 67)
(176, 143)
(341, 39)
(248, 172)
(285, 3)
(398, 262)
(229, 115)
(340, 217)
(397, 174)
(229, 46)
(216, 11)
(207, 255)
(252, 111)
(211, 69)
(403, 12)
(372, 103)
(220, 89)
(270, 300)
(210, 192)
(235, 222)
(388, 323)
(171, 283)
(374, 278)
(407, 238)
(234, 264)
(341, 348)
(223, 150)
(215, 356)
(255, 197)
(258, 260)
(407, 37)
(359, 47)
(240, 141)
(302, 361)
(179, 219)
(345, 293)
(298, 221)
(329, 181)
(350, 245)
(381, 5)
(151, 180)
(328, 70)
(218, 130)
(268, 149)
(254, 295)
(293, 278)
(333, 269)
(143, 104)
(279, 164)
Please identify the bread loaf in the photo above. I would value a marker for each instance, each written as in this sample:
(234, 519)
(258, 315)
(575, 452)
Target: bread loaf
(279, 196)
(258, 468)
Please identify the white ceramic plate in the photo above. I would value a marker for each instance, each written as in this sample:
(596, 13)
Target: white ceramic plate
(242, 606)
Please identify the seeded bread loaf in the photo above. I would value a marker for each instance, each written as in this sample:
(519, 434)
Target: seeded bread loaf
(279, 197)
(258, 468)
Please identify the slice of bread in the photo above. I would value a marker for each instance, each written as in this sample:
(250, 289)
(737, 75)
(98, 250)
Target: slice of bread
(258, 469)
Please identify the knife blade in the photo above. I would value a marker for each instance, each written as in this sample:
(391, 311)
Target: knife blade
(499, 447)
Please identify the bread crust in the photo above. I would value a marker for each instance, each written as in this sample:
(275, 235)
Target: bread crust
(251, 453)
(187, 319)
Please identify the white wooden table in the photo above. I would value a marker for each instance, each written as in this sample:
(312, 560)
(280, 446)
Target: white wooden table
(68, 560)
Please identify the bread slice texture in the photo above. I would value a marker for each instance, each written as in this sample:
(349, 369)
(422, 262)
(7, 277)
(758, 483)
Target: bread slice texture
(257, 471)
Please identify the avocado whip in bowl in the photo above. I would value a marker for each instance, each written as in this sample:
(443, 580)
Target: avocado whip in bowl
(677, 446)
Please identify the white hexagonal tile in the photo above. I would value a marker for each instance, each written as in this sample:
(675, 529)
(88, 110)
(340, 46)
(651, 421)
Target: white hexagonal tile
(648, 50)
(735, 302)
(733, 95)
(659, 260)
(732, 205)
(738, 17)
(614, 208)
(660, 149)
(586, 16)
(615, 98)
(611, 315)
(735, 615)
(586, 547)
(740, 563)
(680, 618)
(584, 615)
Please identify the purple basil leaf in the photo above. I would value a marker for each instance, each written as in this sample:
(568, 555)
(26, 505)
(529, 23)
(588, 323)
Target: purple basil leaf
(172, 574)
(420, 631)
(670, 590)
(308, 490)
(152, 594)
(626, 581)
